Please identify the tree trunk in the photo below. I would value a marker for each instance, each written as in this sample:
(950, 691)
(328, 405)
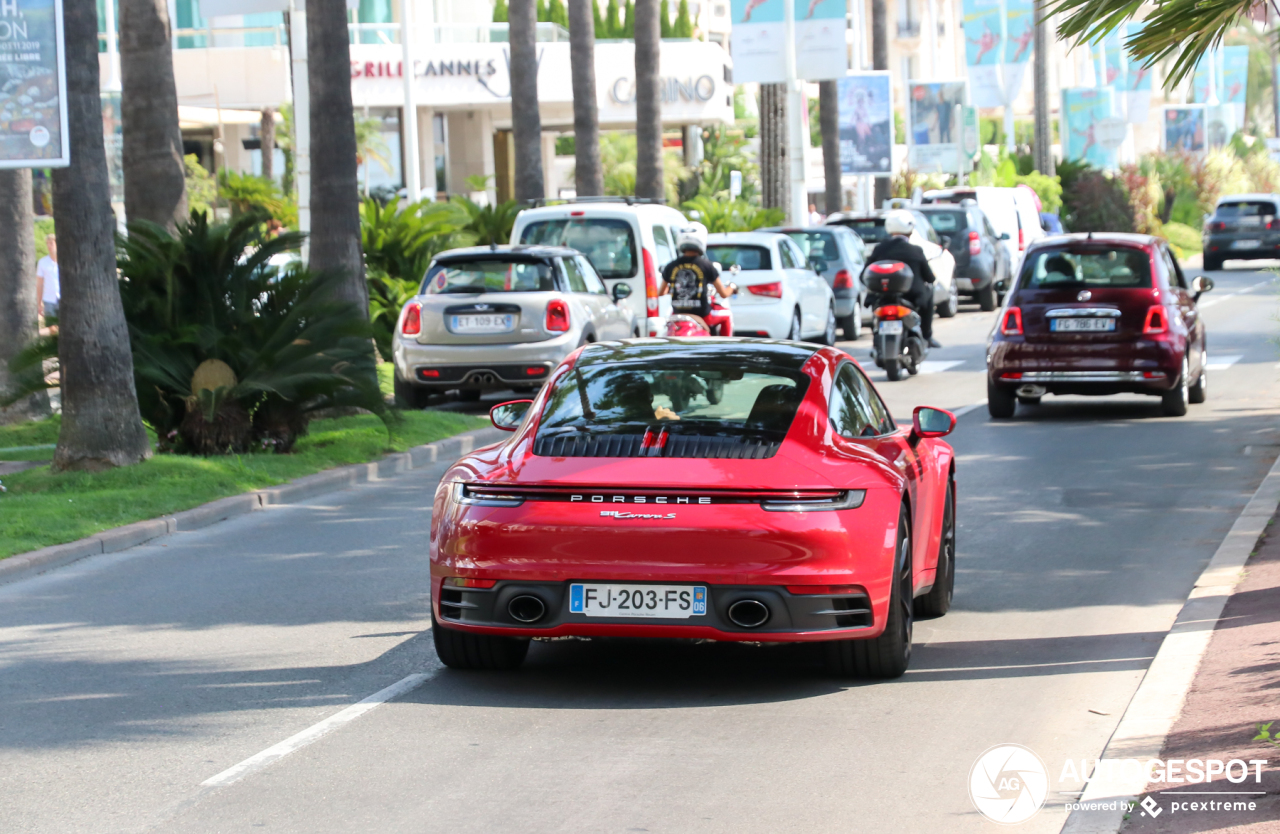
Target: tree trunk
(829, 119)
(101, 426)
(588, 173)
(154, 175)
(880, 61)
(775, 182)
(335, 186)
(268, 142)
(18, 300)
(648, 102)
(526, 121)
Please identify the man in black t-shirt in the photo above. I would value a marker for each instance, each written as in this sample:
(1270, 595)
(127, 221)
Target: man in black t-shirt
(690, 277)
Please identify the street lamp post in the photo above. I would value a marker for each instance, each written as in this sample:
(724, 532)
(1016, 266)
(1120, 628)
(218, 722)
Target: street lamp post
(409, 116)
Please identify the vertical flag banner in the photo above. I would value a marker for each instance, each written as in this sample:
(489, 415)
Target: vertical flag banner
(821, 51)
(983, 37)
(1235, 79)
(1137, 85)
(33, 85)
(1184, 129)
(866, 124)
(933, 135)
(1114, 67)
(758, 41)
(1020, 33)
(1200, 79)
(1083, 108)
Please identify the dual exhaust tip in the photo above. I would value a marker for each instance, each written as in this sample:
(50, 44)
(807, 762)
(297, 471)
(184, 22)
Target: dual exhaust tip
(745, 613)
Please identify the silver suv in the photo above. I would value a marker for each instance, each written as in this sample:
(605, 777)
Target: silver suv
(502, 317)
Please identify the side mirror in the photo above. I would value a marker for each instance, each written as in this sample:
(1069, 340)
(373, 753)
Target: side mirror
(1200, 285)
(508, 416)
(931, 422)
(1004, 235)
(818, 265)
(621, 290)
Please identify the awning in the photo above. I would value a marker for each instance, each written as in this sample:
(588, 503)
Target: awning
(191, 118)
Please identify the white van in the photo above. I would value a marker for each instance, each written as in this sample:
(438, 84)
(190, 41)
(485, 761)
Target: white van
(626, 239)
(1028, 215)
(1001, 207)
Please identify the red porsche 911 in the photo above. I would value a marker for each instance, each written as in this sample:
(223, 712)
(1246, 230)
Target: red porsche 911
(718, 489)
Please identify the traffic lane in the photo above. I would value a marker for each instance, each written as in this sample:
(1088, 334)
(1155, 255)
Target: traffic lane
(130, 678)
(1059, 609)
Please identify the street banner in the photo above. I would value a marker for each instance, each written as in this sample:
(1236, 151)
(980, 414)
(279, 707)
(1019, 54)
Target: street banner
(1083, 108)
(1200, 78)
(33, 85)
(1020, 33)
(759, 40)
(1137, 85)
(866, 124)
(1184, 129)
(1235, 79)
(933, 136)
(983, 37)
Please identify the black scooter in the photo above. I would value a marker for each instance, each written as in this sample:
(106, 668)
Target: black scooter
(898, 342)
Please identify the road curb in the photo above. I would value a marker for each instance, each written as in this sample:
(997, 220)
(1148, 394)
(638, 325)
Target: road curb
(1158, 701)
(116, 539)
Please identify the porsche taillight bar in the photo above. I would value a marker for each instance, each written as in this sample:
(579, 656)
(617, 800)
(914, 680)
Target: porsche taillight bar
(795, 500)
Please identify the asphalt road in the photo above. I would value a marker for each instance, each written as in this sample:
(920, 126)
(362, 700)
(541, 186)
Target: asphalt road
(127, 681)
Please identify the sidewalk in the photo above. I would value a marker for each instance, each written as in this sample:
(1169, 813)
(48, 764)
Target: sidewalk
(1236, 688)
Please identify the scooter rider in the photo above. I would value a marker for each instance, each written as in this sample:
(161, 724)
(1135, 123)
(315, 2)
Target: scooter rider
(690, 277)
(900, 224)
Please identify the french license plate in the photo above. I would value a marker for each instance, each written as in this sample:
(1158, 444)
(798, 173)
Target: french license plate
(1082, 325)
(1245, 244)
(667, 602)
(890, 327)
(495, 323)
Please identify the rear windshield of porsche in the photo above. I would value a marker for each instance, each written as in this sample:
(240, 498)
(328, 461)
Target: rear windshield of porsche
(1086, 267)
(669, 407)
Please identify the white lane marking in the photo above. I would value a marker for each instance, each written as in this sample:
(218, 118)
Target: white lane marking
(960, 412)
(1207, 304)
(937, 367)
(1219, 363)
(314, 732)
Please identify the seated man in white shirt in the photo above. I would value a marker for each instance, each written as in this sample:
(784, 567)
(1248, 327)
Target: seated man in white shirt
(48, 287)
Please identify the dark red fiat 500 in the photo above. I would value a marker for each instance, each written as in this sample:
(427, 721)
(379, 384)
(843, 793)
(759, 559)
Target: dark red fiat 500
(1099, 314)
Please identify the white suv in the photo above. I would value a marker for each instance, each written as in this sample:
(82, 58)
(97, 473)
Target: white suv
(627, 240)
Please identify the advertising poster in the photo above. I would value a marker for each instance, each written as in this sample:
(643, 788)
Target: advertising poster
(933, 135)
(1184, 129)
(1020, 34)
(33, 91)
(757, 45)
(1137, 84)
(866, 124)
(821, 51)
(982, 41)
(1083, 108)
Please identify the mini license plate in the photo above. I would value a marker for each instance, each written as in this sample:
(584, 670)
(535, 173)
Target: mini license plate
(666, 602)
(890, 327)
(1082, 325)
(1245, 244)
(495, 323)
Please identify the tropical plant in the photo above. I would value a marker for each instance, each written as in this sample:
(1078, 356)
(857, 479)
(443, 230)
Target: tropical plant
(1093, 201)
(488, 224)
(249, 194)
(724, 150)
(202, 187)
(500, 11)
(400, 240)
(731, 215)
(683, 27)
(233, 351)
(557, 13)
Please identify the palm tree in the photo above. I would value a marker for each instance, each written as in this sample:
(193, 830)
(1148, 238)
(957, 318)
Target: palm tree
(880, 61)
(526, 121)
(829, 118)
(154, 173)
(648, 102)
(101, 425)
(335, 191)
(588, 175)
(17, 287)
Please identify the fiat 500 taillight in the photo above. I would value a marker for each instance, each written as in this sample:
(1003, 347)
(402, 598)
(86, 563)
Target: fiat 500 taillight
(1011, 323)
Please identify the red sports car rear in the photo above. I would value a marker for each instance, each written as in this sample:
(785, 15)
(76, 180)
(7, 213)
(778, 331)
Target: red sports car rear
(724, 489)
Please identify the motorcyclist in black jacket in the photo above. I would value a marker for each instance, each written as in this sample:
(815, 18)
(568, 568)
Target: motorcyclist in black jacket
(900, 224)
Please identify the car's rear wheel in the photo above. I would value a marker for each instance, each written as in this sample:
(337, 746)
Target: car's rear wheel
(463, 650)
(1174, 403)
(1000, 403)
(829, 332)
(938, 601)
(987, 300)
(952, 305)
(851, 325)
(794, 333)
(1198, 392)
(888, 655)
(409, 395)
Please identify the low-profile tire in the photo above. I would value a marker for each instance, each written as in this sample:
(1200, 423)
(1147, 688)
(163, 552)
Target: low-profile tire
(1198, 392)
(1028, 401)
(887, 656)
(463, 650)
(951, 306)
(1174, 402)
(938, 601)
(470, 395)
(1212, 264)
(893, 369)
(987, 297)
(1001, 403)
(409, 395)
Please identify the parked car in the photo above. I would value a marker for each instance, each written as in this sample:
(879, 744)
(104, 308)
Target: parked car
(870, 227)
(1242, 227)
(982, 265)
(780, 295)
(502, 317)
(837, 254)
(627, 240)
(1001, 208)
(1099, 314)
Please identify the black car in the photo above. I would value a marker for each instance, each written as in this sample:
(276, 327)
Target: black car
(1242, 227)
(982, 264)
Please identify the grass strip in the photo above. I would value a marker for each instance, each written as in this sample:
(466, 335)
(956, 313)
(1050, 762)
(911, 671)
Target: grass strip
(43, 508)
